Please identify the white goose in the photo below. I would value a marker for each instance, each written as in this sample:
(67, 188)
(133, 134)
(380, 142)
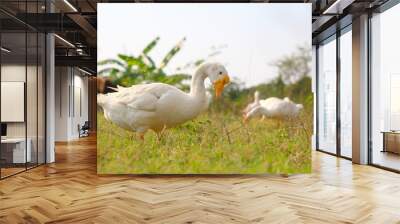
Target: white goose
(275, 108)
(254, 104)
(157, 106)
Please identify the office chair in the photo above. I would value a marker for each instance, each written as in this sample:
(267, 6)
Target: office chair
(84, 130)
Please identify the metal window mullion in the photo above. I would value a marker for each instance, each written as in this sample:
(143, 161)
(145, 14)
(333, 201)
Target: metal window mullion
(0, 96)
(45, 88)
(45, 94)
(72, 93)
(26, 87)
(37, 91)
(338, 81)
(369, 89)
(317, 97)
(69, 92)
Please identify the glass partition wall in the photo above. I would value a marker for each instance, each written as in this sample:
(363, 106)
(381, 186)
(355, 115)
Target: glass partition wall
(22, 107)
(385, 89)
(13, 86)
(334, 94)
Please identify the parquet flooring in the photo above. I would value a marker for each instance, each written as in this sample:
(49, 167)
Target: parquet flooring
(10, 171)
(69, 191)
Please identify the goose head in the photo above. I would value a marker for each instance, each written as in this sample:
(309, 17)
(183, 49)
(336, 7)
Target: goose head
(255, 112)
(246, 116)
(218, 77)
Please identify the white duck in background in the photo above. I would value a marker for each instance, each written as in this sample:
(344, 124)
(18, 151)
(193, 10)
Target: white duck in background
(157, 106)
(254, 104)
(275, 108)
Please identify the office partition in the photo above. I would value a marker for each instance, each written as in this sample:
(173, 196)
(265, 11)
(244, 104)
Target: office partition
(22, 77)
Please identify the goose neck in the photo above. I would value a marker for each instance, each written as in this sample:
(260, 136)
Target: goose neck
(197, 87)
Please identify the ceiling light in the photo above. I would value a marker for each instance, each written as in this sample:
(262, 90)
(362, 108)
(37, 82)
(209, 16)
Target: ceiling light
(64, 40)
(333, 6)
(338, 6)
(84, 71)
(79, 51)
(5, 50)
(70, 5)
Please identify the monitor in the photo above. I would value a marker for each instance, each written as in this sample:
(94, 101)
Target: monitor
(3, 129)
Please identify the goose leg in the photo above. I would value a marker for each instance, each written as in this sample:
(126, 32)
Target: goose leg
(141, 135)
(160, 134)
(245, 119)
(132, 136)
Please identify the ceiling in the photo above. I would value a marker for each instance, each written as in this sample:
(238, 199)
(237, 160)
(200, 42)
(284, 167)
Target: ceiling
(75, 21)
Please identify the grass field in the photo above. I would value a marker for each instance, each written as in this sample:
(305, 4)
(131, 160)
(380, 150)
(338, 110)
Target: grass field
(214, 143)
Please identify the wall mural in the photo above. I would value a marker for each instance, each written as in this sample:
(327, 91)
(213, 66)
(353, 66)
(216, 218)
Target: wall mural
(204, 89)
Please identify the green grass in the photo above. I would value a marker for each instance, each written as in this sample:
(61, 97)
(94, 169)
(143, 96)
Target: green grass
(213, 143)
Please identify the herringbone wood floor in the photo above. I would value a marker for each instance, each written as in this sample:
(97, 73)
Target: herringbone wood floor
(69, 191)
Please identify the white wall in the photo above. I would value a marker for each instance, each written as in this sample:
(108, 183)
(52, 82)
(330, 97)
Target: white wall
(33, 126)
(62, 81)
(71, 102)
(16, 73)
(12, 73)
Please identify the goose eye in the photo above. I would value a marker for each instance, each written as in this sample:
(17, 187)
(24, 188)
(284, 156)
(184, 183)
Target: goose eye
(220, 73)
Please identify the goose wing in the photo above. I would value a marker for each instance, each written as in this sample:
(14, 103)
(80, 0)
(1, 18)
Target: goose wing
(143, 97)
(135, 108)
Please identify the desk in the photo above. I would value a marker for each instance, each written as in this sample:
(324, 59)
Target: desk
(391, 141)
(13, 150)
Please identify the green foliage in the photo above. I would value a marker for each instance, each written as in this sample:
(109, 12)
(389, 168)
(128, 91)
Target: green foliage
(236, 97)
(215, 142)
(293, 81)
(128, 70)
(298, 91)
(295, 66)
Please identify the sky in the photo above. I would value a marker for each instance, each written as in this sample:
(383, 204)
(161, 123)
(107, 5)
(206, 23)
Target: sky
(250, 36)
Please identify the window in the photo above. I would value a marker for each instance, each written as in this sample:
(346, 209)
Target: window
(327, 96)
(385, 89)
(346, 93)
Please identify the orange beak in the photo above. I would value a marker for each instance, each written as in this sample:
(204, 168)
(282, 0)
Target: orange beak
(220, 84)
